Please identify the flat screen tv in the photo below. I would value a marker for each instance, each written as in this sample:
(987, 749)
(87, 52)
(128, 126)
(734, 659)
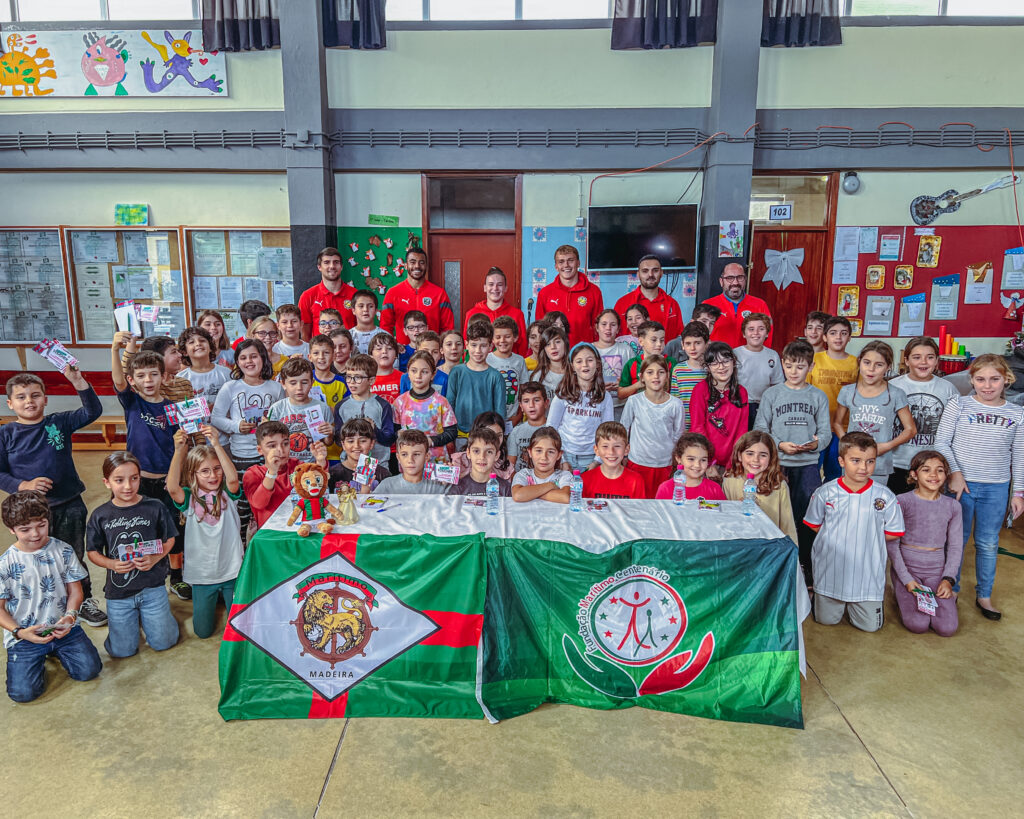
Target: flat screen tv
(619, 236)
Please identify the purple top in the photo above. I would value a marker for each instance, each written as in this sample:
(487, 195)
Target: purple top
(936, 523)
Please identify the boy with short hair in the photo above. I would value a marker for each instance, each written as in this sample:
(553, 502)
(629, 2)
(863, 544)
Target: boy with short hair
(40, 594)
(342, 341)
(364, 308)
(690, 370)
(362, 403)
(533, 403)
(292, 410)
(35, 454)
(611, 479)
(150, 436)
(853, 517)
(428, 342)
(357, 437)
(415, 324)
(814, 329)
(248, 312)
(268, 484)
(475, 386)
(796, 415)
(651, 335)
(328, 321)
(411, 449)
(384, 350)
(833, 369)
(706, 314)
(289, 325)
(328, 384)
(173, 388)
(759, 367)
(483, 445)
(510, 364)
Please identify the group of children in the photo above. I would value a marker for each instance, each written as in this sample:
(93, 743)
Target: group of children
(628, 412)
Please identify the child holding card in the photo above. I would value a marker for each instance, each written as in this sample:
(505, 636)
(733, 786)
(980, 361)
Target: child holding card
(308, 419)
(328, 384)
(150, 433)
(40, 595)
(423, 408)
(359, 469)
(35, 454)
(201, 369)
(130, 536)
(926, 559)
(203, 484)
(411, 451)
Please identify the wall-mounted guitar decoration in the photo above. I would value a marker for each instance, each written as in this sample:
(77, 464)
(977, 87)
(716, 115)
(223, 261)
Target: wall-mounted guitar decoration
(926, 209)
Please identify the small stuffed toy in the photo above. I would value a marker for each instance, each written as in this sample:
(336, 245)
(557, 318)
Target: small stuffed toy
(347, 514)
(310, 482)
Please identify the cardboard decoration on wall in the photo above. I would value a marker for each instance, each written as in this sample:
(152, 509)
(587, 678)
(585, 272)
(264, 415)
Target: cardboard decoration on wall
(903, 278)
(875, 277)
(978, 283)
(912, 312)
(945, 298)
(849, 301)
(928, 251)
(878, 312)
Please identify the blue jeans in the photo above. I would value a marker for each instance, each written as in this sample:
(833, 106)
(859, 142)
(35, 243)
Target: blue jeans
(25, 662)
(984, 508)
(829, 461)
(803, 480)
(580, 462)
(153, 609)
(204, 605)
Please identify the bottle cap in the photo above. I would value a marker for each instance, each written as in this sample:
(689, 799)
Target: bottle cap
(750, 476)
(575, 472)
(493, 475)
(679, 468)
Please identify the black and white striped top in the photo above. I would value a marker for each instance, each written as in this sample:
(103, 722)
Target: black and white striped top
(983, 442)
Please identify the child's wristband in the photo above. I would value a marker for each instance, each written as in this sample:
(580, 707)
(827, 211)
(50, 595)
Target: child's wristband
(1019, 494)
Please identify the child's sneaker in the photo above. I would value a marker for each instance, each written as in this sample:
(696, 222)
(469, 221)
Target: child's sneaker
(91, 614)
(182, 590)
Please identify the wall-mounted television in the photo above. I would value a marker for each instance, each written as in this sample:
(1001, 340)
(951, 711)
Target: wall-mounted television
(618, 236)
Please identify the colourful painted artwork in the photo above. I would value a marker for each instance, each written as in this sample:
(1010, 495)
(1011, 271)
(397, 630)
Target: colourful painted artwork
(98, 63)
(374, 257)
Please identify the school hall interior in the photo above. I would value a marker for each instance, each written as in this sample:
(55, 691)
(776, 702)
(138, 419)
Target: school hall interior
(491, 132)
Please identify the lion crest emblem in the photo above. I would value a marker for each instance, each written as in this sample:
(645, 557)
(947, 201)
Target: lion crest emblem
(334, 617)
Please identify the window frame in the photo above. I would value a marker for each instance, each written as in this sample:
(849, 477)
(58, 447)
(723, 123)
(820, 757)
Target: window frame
(104, 6)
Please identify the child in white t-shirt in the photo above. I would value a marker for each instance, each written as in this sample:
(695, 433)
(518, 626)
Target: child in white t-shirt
(542, 479)
(759, 367)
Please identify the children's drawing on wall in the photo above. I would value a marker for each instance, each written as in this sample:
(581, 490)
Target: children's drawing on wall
(104, 63)
(730, 240)
(926, 209)
(97, 63)
(374, 257)
(23, 72)
(176, 57)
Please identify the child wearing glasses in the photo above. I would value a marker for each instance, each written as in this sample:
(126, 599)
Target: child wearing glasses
(718, 407)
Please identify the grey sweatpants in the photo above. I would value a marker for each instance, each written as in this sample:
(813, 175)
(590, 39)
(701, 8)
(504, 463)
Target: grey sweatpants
(867, 616)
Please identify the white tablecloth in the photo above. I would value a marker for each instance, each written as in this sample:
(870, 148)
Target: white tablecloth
(594, 531)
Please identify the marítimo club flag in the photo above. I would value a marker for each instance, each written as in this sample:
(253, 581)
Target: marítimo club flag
(346, 625)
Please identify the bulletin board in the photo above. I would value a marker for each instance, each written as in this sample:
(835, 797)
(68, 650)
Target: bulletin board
(33, 286)
(108, 266)
(960, 249)
(228, 266)
(373, 258)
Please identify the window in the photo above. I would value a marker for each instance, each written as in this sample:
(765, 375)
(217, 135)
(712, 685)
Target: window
(40, 11)
(935, 8)
(807, 194)
(473, 10)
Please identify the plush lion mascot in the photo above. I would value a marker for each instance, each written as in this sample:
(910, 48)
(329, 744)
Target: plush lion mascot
(310, 482)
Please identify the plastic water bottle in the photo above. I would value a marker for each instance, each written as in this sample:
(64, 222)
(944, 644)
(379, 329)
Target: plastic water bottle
(576, 492)
(679, 487)
(749, 495)
(493, 504)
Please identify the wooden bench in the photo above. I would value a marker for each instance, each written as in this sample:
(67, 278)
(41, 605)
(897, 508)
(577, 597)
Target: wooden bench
(106, 425)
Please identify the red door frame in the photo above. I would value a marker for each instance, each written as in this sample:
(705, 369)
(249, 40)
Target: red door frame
(514, 277)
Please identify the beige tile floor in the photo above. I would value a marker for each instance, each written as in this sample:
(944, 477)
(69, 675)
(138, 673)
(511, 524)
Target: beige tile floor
(896, 725)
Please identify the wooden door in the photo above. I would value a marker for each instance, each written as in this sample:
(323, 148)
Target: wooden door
(459, 262)
(789, 307)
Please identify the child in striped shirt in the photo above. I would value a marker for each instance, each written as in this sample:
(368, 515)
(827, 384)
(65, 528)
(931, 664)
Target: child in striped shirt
(853, 517)
(689, 373)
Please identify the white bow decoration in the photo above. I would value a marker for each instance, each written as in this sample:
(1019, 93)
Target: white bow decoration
(783, 267)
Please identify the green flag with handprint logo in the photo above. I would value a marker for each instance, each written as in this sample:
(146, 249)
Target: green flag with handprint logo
(698, 627)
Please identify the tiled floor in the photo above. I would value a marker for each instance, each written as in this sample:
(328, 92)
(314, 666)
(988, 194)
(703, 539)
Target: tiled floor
(896, 724)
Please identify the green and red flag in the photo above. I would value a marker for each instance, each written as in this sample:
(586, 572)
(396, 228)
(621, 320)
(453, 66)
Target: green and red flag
(347, 625)
(697, 627)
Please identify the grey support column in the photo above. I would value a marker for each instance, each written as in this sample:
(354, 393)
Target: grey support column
(311, 205)
(733, 110)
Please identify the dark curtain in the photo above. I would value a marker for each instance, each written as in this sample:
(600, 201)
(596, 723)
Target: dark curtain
(354, 23)
(795, 23)
(664, 23)
(241, 25)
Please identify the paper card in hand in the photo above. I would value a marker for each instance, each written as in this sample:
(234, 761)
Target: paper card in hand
(56, 353)
(189, 414)
(126, 318)
(147, 312)
(926, 603)
(140, 548)
(314, 418)
(365, 470)
(252, 414)
(442, 473)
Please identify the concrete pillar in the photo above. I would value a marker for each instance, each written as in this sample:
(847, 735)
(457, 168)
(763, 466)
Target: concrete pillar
(311, 203)
(733, 110)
